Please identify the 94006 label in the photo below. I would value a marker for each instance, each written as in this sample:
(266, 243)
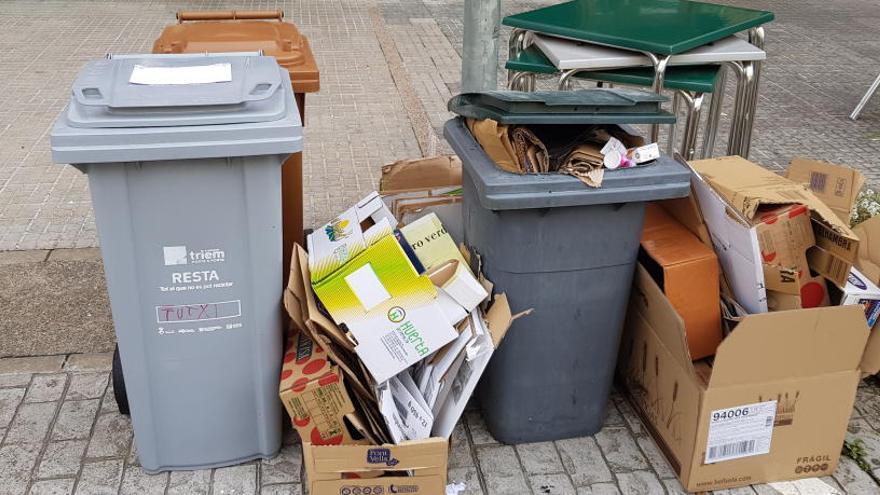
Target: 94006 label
(740, 431)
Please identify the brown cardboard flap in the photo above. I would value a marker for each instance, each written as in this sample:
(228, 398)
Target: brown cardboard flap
(791, 344)
(837, 186)
(298, 293)
(654, 306)
(425, 456)
(499, 318)
(868, 260)
(747, 186)
(421, 174)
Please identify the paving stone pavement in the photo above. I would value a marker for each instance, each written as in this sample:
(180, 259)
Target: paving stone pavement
(61, 433)
(387, 69)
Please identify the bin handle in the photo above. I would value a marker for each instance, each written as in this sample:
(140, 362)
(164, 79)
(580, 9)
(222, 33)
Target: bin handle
(228, 15)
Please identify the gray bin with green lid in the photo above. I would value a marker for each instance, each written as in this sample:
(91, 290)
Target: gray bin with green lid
(183, 155)
(568, 252)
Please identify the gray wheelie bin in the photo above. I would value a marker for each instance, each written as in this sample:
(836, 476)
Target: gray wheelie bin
(564, 249)
(183, 155)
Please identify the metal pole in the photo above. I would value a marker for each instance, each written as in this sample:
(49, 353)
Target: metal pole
(873, 89)
(479, 54)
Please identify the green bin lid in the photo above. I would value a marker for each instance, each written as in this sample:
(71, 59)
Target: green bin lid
(586, 106)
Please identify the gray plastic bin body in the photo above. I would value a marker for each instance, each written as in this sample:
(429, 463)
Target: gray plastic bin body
(567, 251)
(185, 183)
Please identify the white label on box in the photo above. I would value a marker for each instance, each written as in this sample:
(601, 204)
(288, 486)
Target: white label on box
(366, 286)
(199, 74)
(740, 431)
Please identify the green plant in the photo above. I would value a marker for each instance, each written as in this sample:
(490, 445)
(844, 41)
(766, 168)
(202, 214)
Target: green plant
(856, 451)
(867, 205)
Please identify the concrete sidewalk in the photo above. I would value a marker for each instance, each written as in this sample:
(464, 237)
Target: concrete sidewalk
(61, 433)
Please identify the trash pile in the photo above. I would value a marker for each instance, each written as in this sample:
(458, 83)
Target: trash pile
(749, 324)
(392, 327)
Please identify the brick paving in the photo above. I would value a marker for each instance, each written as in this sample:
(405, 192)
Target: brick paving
(61, 433)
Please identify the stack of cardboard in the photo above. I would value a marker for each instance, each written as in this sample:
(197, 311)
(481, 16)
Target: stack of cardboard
(391, 330)
(774, 401)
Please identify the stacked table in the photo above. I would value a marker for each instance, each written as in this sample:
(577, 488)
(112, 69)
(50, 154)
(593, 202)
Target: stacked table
(581, 37)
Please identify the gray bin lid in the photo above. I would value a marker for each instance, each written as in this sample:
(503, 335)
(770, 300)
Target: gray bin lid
(247, 110)
(586, 106)
(499, 190)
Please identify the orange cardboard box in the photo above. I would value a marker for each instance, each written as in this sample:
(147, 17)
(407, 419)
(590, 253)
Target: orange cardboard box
(314, 395)
(688, 272)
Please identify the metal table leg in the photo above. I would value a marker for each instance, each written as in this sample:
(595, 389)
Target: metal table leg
(659, 74)
(757, 38)
(515, 46)
(670, 139)
(714, 113)
(694, 110)
(873, 89)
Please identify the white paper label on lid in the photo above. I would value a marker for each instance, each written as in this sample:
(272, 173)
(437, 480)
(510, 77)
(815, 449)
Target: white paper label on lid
(740, 431)
(198, 74)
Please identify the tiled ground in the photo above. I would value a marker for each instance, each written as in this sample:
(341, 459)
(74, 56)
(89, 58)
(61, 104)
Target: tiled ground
(387, 69)
(61, 433)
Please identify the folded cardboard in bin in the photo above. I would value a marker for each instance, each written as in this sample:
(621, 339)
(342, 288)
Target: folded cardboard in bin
(837, 186)
(336, 469)
(688, 272)
(313, 392)
(775, 405)
(731, 192)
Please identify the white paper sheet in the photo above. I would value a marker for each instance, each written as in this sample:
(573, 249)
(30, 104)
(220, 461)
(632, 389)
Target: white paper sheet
(197, 74)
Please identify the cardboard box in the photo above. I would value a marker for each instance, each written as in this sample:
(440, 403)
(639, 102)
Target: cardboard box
(389, 309)
(314, 394)
(836, 185)
(431, 242)
(412, 188)
(337, 469)
(747, 187)
(688, 272)
(795, 371)
(349, 234)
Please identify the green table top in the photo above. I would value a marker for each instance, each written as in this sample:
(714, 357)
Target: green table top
(663, 27)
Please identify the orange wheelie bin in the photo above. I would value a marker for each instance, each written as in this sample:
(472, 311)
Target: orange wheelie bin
(250, 31)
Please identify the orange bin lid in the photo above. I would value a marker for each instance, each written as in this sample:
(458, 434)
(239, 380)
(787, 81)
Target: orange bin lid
(244, 31)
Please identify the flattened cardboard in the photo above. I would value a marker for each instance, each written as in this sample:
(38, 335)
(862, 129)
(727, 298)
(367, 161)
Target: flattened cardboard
(806, 360)
(688, 271)
(314, 394)
(487, 336)
(336, 469)
(747, 186)
(413, 188)
(837, 186)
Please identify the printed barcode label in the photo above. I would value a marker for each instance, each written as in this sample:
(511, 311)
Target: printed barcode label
(740, 431)
(818, 181)
(836, 267)
(731, 449)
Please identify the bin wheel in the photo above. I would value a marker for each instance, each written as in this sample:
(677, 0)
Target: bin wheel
(119, 392)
